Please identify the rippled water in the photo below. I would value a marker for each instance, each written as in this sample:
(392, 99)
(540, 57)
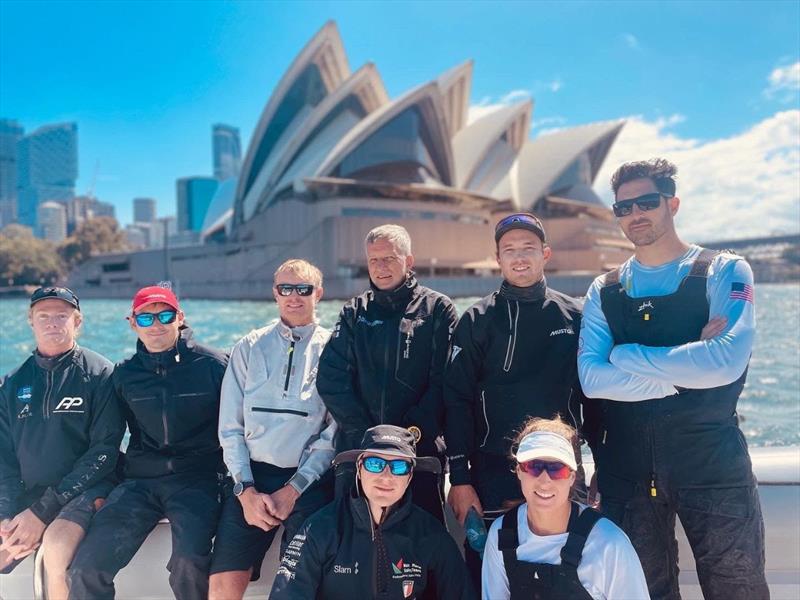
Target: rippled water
(770, 403)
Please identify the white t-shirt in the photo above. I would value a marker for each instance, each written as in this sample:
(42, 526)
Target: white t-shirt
(609, 568)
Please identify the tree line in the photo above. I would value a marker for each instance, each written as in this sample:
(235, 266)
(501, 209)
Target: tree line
(27, 260)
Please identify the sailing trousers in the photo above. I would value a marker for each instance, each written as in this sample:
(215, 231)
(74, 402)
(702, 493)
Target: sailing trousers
(191, 503)
(724, 528)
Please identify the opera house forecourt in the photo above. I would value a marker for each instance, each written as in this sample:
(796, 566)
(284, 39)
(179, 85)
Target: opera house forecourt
(332, 156)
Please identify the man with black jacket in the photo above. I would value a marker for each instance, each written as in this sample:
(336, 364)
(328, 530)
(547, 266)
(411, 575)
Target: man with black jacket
(60, 430)
(513, 356)
(169, 392)
(385, 360)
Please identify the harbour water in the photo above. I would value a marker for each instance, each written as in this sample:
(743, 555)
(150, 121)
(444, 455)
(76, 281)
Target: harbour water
(769, 406)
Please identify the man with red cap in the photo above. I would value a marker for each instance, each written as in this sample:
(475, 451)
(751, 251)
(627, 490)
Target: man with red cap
(169, 393)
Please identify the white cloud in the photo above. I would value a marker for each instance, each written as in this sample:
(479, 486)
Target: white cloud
(516, 96)
(631, 41)
(555, 85)
(784, 83)
(740, 186)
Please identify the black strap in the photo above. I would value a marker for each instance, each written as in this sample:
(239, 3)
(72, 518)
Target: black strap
(508, 541)
(579, 530)
(703, 262)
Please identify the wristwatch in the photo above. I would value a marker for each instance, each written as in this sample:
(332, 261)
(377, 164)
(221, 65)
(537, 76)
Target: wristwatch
(241, 486)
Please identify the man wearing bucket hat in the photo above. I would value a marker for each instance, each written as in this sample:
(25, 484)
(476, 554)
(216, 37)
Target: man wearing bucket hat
(169, 391)
(549, 547)
(512, 357)
(374, 542)
(60, 429)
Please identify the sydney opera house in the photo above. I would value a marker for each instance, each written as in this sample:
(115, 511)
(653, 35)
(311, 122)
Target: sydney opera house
(333, 156)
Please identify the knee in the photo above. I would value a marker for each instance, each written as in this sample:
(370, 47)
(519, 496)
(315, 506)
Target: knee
(59, 543)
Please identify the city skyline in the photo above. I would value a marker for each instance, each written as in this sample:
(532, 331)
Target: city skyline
(690, 90)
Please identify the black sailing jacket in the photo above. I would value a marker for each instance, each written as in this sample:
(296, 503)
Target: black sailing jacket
(170, 400)
(513, 356)
(340, 554)
(385, 361)
(60, 430)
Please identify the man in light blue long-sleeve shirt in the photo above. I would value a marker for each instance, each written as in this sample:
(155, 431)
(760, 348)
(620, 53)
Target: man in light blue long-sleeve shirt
(665, 341)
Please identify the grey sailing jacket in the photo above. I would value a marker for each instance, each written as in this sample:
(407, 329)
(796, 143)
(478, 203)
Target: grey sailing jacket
(270, 410)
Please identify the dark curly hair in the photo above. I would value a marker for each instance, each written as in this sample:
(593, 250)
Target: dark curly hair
(658, 170)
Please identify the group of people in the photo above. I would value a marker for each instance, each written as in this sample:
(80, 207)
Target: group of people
(343, 437)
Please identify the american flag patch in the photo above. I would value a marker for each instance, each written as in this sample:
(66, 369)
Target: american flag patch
(742, 291)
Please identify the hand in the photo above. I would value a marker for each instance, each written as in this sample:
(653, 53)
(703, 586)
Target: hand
(22, 534)
(255, 510)
(713, 328)
(593, 496)
(461, 498)
(283, 502)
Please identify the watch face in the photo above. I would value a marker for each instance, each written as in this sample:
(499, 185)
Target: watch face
(238, 488)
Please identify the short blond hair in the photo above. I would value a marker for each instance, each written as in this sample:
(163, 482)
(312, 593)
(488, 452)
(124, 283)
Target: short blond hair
(301, 268)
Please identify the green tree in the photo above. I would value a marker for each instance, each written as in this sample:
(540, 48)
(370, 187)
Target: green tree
(95, 236)
(26, 260)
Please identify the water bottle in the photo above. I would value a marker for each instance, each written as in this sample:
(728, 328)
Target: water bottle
(475, 529)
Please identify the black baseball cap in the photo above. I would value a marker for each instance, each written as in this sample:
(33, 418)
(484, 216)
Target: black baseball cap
(59, 293)
(392, 441)
(520, 221)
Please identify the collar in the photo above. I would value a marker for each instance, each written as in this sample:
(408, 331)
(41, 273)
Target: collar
(395, 513)
(532, 293)
(398, 298)
(296, 334)
(51, 363)
(155, 361)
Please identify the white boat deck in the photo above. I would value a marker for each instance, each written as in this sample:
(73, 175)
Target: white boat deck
(778, 471)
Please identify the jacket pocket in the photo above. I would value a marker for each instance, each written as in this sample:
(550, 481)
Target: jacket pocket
(284, 411)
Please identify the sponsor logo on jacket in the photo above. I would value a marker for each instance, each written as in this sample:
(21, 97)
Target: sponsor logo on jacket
(404, 570)
(364, 321)
(24, 393)
(568, 330)
(342, 570)
(70, 404)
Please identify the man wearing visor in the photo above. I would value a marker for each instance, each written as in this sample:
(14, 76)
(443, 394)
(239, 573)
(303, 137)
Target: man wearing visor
(373, 542)
(169, 393)
(276, 434)
(385, 361)
(60, 430)
(512, 357)
(666, 339)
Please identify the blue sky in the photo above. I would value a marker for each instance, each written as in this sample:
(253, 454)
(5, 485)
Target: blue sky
(146, 80)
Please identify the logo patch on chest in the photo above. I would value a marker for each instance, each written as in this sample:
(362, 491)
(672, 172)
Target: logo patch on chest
(24, 394)
(25, 412)
(69, 404)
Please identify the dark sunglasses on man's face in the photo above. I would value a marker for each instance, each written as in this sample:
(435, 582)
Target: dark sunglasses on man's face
(376, 464)
(302, 289)
(556, 470)
(165, 317)
(645, 202)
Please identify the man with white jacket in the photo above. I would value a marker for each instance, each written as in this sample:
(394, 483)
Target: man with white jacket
(276, 434)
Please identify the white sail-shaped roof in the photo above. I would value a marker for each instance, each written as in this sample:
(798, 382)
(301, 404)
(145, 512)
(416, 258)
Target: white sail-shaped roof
(408, 134)
(455, 86)
(320, 68)
(485, 150)
(559, 161)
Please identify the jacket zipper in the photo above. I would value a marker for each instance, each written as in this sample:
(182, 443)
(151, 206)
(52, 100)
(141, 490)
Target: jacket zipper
(512, 337)
(163, 372)
(385, 376)
(653, 489)
(289, 368)
(48, 388)
(485, 418)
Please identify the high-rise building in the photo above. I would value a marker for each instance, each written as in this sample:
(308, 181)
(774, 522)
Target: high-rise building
(227, 151)
(144, 210)
(83, 208)
(47, 167)
(10, 134)
(194, 196)
(52, 221)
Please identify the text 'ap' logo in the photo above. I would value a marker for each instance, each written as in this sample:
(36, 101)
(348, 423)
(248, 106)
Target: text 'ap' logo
(69, 404)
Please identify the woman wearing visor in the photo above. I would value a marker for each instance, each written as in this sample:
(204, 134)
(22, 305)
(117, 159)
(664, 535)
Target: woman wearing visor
(374, 543)
(550, 547)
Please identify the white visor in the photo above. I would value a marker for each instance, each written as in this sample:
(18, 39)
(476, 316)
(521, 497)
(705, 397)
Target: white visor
(546, 444)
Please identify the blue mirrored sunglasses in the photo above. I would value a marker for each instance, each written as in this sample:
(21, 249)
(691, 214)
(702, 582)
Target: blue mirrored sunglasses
(375, 464)
(165, 317)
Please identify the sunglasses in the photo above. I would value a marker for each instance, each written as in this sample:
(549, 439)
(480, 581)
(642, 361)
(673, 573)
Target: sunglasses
(165, 317)
(375, 464)
(529, 219)
(555, 470)
(645, 202)
(302, 289)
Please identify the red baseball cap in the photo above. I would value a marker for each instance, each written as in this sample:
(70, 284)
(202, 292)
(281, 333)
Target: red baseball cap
(153, 294)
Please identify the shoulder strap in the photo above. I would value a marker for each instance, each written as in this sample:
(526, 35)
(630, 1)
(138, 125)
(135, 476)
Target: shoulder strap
(611, 278)
(508, 541)
(579, 530)
(703, 262)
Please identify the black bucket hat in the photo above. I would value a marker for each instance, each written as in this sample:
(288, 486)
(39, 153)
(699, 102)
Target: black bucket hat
(391, 441)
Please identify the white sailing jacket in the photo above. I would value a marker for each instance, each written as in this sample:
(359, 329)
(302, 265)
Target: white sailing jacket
(270, 410)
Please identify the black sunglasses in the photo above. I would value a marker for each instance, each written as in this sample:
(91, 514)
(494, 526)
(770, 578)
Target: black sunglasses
(645, 202)
(165, 317)
(302, 289)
